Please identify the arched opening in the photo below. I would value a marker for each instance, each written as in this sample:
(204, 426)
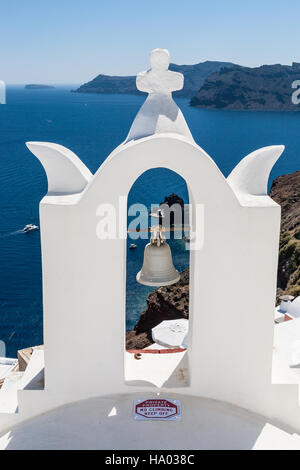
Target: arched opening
(157, 315)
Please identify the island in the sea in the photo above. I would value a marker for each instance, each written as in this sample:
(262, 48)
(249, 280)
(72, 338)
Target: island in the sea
(34, 86)
(194, 77)
(221, 85)
(269, 87)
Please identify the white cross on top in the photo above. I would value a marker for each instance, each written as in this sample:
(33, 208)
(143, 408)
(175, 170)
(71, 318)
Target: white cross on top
(159, 79)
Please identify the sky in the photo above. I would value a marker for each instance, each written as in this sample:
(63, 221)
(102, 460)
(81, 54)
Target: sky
(72, 41)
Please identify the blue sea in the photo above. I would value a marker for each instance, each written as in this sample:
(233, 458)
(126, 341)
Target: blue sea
(92, 126)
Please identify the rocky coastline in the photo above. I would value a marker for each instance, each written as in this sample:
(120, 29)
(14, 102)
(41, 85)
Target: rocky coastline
(285, 191)
(194, 77)
(35, 86)
(165, 303)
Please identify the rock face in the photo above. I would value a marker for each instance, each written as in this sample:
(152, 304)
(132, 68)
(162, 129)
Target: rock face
(268, 87)
(38, 87)
(285, 191)
(165, 303)
(194, 76)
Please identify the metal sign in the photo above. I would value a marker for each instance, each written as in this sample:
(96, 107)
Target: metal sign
(157, 409)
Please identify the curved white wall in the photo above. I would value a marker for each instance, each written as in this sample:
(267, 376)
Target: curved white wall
(232, 289)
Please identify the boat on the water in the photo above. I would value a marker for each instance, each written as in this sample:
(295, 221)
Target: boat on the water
(30, 228)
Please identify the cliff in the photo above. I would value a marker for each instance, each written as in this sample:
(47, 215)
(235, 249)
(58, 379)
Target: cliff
(174, 210)
(285, 191)
(194, 76)
(268, 87)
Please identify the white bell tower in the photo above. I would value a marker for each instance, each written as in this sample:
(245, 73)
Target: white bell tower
(230, 349)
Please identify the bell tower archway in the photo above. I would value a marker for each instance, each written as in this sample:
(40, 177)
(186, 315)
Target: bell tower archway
(151, 299)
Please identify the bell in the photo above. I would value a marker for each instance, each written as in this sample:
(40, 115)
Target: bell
(158, 269)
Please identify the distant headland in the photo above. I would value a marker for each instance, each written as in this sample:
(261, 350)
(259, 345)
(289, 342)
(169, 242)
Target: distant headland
(269, 87)
(34, 86)
(221, 85)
